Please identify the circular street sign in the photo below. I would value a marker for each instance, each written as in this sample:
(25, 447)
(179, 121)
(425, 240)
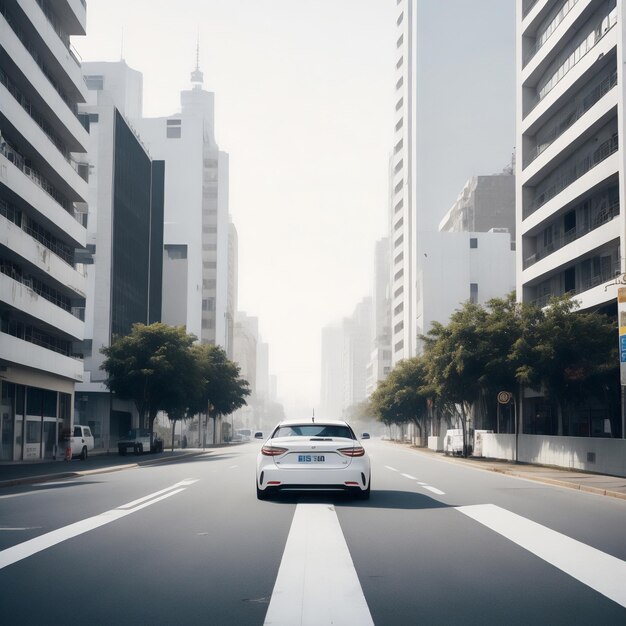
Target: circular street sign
(504, 397)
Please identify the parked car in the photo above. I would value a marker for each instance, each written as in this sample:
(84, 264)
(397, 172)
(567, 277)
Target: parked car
(140, 440)
(306, 455)
(80, 441)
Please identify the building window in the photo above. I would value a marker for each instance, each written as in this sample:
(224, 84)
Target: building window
(474, 293)
(473, 242)
(94, 83)
(173, 129)
(398, 327)
(399, 346)
(399, 308)
(398, 292)
(176, 251)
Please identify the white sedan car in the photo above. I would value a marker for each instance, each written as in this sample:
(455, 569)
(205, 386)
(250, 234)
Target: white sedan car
(313, 455)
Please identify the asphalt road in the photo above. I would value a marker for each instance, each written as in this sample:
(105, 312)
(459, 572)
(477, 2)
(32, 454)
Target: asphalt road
(188, 543)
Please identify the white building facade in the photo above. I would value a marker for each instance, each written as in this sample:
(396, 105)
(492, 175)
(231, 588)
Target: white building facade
(570, 164)
(43, 191)
(200, 243)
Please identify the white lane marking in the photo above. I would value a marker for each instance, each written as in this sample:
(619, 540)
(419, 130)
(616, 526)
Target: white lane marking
(422, 484)
(32, 546)
(233, 466)
(317, 583)
(435, 490)
(182, 483)
(393, 469)
(409, 476)
(23, 493)
(592, 567)
(23, 528)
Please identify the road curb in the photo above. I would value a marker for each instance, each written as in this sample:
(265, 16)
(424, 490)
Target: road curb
(528, 476)
(44, 478)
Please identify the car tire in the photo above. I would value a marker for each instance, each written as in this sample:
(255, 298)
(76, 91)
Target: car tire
(83, 454)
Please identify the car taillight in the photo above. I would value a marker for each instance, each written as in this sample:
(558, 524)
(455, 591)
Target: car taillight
(356, 451)
(272, 451)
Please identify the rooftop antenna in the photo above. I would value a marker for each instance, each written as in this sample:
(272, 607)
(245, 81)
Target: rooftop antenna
(197, 76)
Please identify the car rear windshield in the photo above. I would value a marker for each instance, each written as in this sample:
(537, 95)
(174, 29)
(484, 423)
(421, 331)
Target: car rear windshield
(314, 430)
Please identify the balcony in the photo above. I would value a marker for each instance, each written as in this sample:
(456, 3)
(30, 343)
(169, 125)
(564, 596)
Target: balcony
(31, 354)
(571, 172)
(574, 112)
(581, 59)
(39, 258)
(603, 217)
(567, 6)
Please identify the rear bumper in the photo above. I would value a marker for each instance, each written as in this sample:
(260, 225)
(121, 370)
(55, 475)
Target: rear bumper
(345, 479)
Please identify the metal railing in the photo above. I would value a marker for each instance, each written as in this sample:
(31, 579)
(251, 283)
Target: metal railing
(605, 26)
(560, 241)
(573, 173)
(542, 39)
(582, 105)
(605, 275)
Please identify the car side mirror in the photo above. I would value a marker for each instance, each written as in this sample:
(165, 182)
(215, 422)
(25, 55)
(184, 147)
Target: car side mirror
(365, 436)
(258, 435)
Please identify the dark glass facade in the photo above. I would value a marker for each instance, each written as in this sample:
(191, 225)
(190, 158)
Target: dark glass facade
(137, 233)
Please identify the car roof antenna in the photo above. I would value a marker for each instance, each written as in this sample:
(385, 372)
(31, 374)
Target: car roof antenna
(313, 418)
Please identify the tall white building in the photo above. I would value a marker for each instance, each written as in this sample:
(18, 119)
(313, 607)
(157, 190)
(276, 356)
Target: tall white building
(570, 166)
(380, 341)
(448, 116)
(200, 243)
(43, 191)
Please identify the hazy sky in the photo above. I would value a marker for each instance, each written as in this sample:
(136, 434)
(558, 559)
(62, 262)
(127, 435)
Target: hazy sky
(304, 106)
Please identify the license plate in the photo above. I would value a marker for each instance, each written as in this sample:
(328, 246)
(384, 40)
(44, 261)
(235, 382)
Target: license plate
(311, 458)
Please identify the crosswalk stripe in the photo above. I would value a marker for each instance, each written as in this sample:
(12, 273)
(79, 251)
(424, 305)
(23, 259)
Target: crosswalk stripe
(596, 569)
(317, 583)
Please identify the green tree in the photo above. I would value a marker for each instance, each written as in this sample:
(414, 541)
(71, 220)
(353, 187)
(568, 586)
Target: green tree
(154, 367)
(570, 355)
(403, 396)
(221, 390)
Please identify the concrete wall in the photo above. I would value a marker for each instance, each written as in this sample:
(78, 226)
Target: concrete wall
(436, 443)
(605, 456)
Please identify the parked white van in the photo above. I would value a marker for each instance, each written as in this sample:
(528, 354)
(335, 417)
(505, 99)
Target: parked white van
(453, 441)
(81, 441)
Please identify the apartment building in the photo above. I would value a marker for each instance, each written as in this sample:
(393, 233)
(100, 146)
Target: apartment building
(570, 165)
(123, 258)
(43, 191)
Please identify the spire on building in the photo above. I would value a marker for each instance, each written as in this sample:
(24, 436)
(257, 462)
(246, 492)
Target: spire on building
(197, 77)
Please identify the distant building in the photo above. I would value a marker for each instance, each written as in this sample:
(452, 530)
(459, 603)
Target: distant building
(331, 392)
(357, 331)
(486, 203)
(380, 357)
(459, 267)
(199, 268)
(124, 253)
(43, 195)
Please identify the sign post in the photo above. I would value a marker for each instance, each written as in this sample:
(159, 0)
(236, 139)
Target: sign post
(621, 320)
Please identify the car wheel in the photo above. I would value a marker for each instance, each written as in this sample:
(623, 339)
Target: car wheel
(83, 454)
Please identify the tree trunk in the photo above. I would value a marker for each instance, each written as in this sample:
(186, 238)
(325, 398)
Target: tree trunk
(173, 433)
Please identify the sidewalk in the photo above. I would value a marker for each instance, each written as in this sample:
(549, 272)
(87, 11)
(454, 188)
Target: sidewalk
(20, 473)
(600, 484)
